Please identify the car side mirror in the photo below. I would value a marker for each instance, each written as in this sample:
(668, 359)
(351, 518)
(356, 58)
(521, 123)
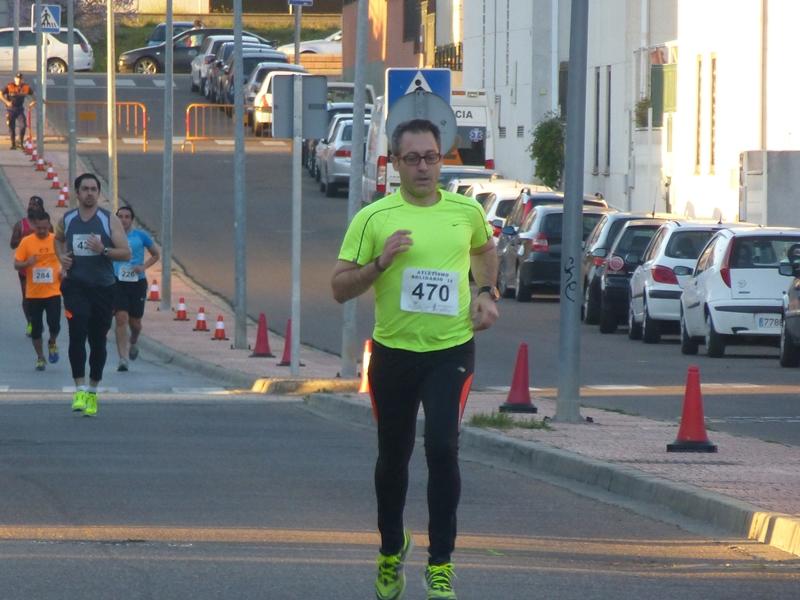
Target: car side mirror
(788, 269)
(682, 270)
(509, 230)
(599, 252)
(633, 259)
(498, 223)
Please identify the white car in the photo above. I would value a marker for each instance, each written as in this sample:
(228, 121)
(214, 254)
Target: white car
(57, 51)
(262, 103)
(498, 205)
(735, 292)
(329, 45)
(335, 158)
(206, 56)
(655, 287)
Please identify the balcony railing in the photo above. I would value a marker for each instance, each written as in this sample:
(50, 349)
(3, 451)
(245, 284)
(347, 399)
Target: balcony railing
(450, 57)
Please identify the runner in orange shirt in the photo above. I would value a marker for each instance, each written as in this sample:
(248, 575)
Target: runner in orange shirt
(36, 255)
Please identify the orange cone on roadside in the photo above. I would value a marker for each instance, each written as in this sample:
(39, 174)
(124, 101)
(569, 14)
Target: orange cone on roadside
(155, 293)
(65, 190)
(692, 436)
(50, 171)
(62, 202)
(27, 147)
(519, 396)
(219, 330)
(34, 156)
(56, 185)
(286, 359)
(180, 314)
(200, 324)
(262, 348)
(40, 164)
(364, 387)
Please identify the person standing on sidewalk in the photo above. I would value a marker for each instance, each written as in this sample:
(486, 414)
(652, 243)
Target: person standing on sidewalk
(13, 96)
(88, 239)
(130, 290)
(36, 255)
(22, 228)
(416, 248)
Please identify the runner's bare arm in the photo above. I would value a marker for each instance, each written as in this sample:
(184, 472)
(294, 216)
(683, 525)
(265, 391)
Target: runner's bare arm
(121, 249)
(155, 255)
(483, 262)
(64, 256)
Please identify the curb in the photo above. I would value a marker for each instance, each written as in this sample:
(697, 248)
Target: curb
(732, 516)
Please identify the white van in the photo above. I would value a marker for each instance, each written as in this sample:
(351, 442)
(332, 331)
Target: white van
(474, 144)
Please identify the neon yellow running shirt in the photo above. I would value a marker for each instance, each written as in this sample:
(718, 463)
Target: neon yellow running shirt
(422, 301)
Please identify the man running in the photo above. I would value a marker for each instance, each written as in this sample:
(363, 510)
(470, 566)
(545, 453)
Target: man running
(22, 228)
(416, 247)
(13, 96)
(88, 239)
(36, 255)
(130, 291)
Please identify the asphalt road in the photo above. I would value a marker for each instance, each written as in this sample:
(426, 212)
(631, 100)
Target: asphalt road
(203, 244)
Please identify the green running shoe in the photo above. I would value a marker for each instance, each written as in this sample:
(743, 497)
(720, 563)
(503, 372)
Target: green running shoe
(40, 364)
(439, 582)
(52, 352)
(91, 404)
(29, 329)
(391, 581)
(79, 400)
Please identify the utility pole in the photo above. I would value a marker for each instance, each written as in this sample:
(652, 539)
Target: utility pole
(167, 172)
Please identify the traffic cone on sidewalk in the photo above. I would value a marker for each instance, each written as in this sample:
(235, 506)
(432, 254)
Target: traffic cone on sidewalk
(180, 314)
(692, 436)
(155, 293)
(65, 191)
(286, 359)
(34, 156)
(219, 330)
(62, 202)
(40, 164)
(56, 185)
(200, 324)
(50, 172)
(364, 387)
(27, 147)
(519, 396)
(262, 348)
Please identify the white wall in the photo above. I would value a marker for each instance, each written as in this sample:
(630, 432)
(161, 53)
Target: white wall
(200, 7)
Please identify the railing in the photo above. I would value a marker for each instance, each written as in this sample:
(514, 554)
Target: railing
(450, 56)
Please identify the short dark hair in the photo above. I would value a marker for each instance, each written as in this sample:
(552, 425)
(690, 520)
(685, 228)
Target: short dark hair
(79, 179)
(40, 215)
(37, 200)
(415, 126)
(129, 209)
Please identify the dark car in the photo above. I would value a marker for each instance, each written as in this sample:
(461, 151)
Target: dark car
(252, 61)
(185, 46)
(528, 200)
(530, 256)
(212, 84)
(595, 253)
(624, 256)
(790, 326)
(159, 33)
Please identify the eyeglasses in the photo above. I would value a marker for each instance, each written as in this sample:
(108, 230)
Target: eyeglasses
(412, 159)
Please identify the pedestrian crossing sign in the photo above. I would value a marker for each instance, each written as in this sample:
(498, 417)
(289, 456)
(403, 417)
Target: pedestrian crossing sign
(48, 20)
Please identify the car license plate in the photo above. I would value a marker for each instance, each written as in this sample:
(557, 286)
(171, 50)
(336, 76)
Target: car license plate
(768, 321)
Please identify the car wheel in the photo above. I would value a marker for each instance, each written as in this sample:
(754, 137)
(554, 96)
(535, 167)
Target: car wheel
(207, 89)
(608, 320)
(505, 290)
(651, 328)
(688, 343)
(317, 174)
(715, 342)
(590, 311)
(146, 66)
(522, 292)
(634, 328)
(56, 65)
(789, 355)
(257, 129)
(330, 189)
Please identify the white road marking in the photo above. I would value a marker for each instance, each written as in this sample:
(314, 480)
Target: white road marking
(160, 83)
(199, 390)
(138, 141)
(4, 388)
(126, 83)
(85, 83)
(224, 142)
(88, 140)
(101, 390)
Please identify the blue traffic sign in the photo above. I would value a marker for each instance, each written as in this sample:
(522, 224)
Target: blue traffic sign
(400, 82)
(301, 2)
(48, 20)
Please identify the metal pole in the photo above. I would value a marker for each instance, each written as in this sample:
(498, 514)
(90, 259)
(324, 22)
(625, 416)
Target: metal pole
(72, 141)
(297, 156)
(239, 190)
(15, 40)
(167, 171)
(349, 326)
(40, 82)
(568, 401)
(111, 99)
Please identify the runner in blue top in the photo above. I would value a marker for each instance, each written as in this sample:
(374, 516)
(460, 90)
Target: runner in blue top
(130, 290)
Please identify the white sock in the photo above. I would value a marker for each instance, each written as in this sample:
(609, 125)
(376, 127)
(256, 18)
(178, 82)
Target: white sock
(92, 389)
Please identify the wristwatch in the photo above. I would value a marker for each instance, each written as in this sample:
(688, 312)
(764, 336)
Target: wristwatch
(105, 251)
(493, 292)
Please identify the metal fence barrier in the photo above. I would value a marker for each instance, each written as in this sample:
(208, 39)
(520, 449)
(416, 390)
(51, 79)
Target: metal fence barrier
(211, 122)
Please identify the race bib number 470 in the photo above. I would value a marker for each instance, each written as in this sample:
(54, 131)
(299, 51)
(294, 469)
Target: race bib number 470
(430, 291)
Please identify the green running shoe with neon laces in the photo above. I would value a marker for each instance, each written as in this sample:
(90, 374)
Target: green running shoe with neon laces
(91, 404)
(390, 583)
(52, 353)
(439, 582)
(40, 364)
(79, 400)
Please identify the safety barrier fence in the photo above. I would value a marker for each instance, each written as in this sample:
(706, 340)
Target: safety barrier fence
(211, 122)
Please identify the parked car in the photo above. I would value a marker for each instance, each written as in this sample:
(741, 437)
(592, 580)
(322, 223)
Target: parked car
(310, 145)
(344, 91)
(205, 57)
(734, 294)
(450, 172)
(655, 287)
(257, 63)
(790, 324)
(328, 45)
(57, 51)
(623, 258)
(530, 256)
(262, 104)
(335, 160)
(479, 190)
(185, 46)
(159, 33)
(211, 90)
(497, 206)
(322, 143)
(459, 185)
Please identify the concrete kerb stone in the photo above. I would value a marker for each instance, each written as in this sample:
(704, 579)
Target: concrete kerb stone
(729, 515)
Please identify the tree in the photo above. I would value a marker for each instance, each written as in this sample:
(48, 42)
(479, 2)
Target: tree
(547, 150)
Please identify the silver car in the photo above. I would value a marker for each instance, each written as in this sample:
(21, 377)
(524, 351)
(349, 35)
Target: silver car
(335, 158)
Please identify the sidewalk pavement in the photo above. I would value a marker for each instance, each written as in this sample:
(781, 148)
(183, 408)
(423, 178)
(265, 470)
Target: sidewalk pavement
(749, 489)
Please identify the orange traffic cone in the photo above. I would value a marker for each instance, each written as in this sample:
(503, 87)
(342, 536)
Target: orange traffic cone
(262, 348)
(364, 387)
(56, 185)
(692, 436)
(27, 147)
(50, 172)
(65, 190)
(286, 359)
(155, 293)
(219, 330)
(62, 202)
(180, 314)
(200, 324)
(519, 396)
(40, 164)
(34, 156)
